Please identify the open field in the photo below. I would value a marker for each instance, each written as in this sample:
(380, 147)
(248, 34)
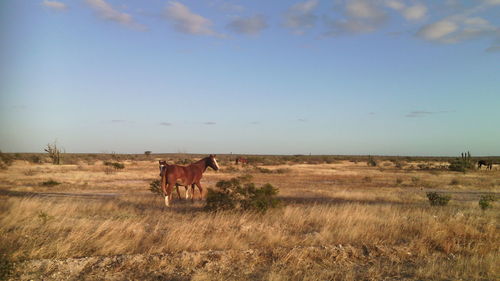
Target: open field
(340, 220)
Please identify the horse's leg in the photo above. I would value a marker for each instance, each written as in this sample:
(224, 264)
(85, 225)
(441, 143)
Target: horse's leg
(178, 192)
(192, 192)
(168, 196)
(198, 184)
(187, 191)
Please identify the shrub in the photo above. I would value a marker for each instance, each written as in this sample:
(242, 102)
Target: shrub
(436, 199)
(399, 181)
(462, 164)
(485, 202)
(371, 162)
(5, 161)
(54, 152)
(116, 165)
(230, 169)
(155, 187)
(50, 183)
(35, 159)
(415, 180)
(454, 182)
(29, 172)
(6, 266)
(240, 194)
(264, 170)
(367, 179)
(283, 170)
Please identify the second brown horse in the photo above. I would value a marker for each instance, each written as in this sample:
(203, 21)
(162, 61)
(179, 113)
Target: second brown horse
(189, 175)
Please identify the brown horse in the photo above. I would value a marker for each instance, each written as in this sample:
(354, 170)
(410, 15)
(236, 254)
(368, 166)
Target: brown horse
(241, 160)
(487, 163)
(163, 168)
(189, 175)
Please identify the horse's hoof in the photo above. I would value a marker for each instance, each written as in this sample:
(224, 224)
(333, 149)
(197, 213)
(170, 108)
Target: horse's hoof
(167, 202)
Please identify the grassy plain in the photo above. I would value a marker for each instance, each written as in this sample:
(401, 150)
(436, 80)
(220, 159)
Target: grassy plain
(341, 220)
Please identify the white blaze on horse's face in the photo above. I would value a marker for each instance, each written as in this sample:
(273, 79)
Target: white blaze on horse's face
(216, 164)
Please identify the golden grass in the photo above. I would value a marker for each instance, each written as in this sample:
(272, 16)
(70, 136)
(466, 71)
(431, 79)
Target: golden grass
(336, 224)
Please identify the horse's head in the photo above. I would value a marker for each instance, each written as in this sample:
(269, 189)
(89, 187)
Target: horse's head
(163, 165)
(212, 162)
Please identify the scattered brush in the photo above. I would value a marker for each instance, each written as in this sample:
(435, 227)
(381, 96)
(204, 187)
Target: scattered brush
(115, 165)
(240, 194)
(50, 183)
(486, 201)
(155, 187)
(437, 199)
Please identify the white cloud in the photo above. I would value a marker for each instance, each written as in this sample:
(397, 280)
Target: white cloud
(492, 2)
(360, 16)
(415, 12)
(251, 26)
(412, 13)
(55, 5)
(438, 30)
(395, 4)
(107, 12)
(457, 29)
(188, 22)
(363, 9)
(300, 16)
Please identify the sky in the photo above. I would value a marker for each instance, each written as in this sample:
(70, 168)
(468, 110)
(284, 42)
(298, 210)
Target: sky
(357, 77)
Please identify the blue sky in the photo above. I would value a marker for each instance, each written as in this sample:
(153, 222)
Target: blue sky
(394, 77)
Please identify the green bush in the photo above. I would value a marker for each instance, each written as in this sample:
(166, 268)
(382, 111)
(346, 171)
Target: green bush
(371, 162)
(6, 266)
(116, 165)
(50, 183)
(155, 187)
(485, 202)
(462, 164)
(35, 159)
(240, 194)
(5, 160)
(436, 199)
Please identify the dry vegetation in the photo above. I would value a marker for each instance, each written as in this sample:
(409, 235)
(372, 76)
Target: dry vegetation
(341, 220)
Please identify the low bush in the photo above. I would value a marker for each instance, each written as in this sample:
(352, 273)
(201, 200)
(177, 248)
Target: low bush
(485, 202)
(436, 199)
(50, 183)
(116, 165)
(371, 162)
(462, 164)
(240, 194)
(5, 160)
(6, 266)
(155, 187)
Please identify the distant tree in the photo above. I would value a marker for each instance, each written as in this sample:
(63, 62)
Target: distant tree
(55, 153)
(147, 152)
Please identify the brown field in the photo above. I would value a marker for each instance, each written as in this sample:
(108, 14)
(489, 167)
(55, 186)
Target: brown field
(341, 220)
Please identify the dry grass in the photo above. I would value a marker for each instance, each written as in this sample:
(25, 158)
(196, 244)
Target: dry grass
(335, 225)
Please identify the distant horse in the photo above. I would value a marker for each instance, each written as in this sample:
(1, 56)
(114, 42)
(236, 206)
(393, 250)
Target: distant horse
(163, 168)
(487, 163)
(189, 175)
(241, 160)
